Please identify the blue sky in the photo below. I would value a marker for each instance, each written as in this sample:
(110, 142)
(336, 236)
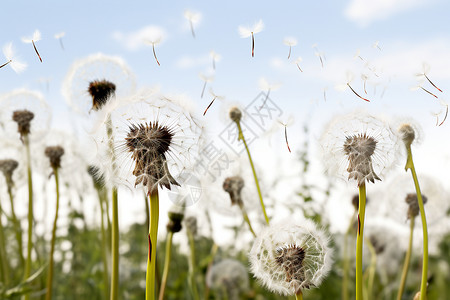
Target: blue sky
(409, 32)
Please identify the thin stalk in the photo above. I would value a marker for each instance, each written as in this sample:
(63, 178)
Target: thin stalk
(410, 165)
(372, 268)
(346, 260)
(241, 137)
(166, 264)
(359, 241)
(115, 247)
(247, 220)
(152, 240)
(3, 255)
(401, 289)
(27, 271)
(214, 249)
(299, 295)
(102, 199)
(16, 223)
(192, 265)
(48, 296)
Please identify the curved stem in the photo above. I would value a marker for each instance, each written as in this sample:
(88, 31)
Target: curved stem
(27, 271)
(115, 246)
(372, 268)
(152, 240)
(192, 265)
(241, 137)
(247, 220)
(166, 265)
(16, 223)
(359, 241)
(346, 260)
(48, 296)
(423, 285)
(407, 260)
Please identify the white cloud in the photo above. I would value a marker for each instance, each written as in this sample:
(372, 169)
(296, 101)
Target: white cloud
(367, 11)
(136, 40)
(187, 62)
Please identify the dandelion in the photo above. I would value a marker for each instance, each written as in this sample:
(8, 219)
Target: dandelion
(212, 101)
(358, 55)
(297, 63)
(206, 78)
(246, 32)
(426, 69)
(362, 147)
(292, 256)
(376, 45)
(290, 42)
(96, 68)
(228, 278)
(419, 86)
(319, 54)
(193, 18)
(36, 37)
(342, 87)
(54, 154)
(215, 58)
(266, 86)
(59, 37)
(15, 64)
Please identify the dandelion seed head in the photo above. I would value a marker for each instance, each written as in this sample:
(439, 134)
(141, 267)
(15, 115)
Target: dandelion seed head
(54, 154)
(410, 131)
(101, 91)
(97, 177)
(291, 256)
(7, 167)
(360, 147)
(235, 114)
(413, 204)
(228, 278)
(176, 216)
(233, 186)
(23, 119)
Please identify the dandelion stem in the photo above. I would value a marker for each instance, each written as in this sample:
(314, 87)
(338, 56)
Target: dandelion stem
(407, 261)
(16, 223)
(346, 260)
(48, 296)
(154, 54)
(241, 137)
(253, 45)
(214, 249)
(115, 246)
(166, 264)
(410, 165)
(101, 198)
(3, 255)
(372, 268)
(6, 63)
(192, 280)
(152, 239)
(27, 271)
(247, 220)
(299, 295)
(359, 240)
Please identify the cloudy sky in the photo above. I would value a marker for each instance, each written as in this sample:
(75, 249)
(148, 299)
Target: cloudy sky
(376, 46)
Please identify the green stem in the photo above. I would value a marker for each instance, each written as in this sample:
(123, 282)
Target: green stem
(346, 260)
(166, 265)
(299, 295)
(48, 296)
(410, 165)
(372, 268)
(27, 271)
(241, 137)
(16, 223)
(247, 220)
(407, 261)
(3, 255)
(105, 247)
(115, 247)
(152, 240)
(359, 241)
(192, 265)
(214, 249)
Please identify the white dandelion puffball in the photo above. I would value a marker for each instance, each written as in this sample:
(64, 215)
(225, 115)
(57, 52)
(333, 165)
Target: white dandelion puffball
(29, 100)
(358, 146)
(94, 68)
(291, 256)
(147, 139)
(228, 278)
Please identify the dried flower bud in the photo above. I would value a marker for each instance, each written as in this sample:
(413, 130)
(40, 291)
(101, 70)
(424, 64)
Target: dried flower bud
(7, 166)
(233, 186)
(377, 244)
(101, 91)
(175, 219)
(235, 114)
(23, 119)
(54, 153)
(407, 134)
(413, 204)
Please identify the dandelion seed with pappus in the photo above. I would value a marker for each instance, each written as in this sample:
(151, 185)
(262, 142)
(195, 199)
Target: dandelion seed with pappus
(290, 257)
(15, 64)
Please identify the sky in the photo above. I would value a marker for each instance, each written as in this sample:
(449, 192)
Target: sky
(378, 44)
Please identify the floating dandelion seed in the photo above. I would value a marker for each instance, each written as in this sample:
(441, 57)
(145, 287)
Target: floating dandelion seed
(215, 58)
(193, 18)
(15, 64)
(59, 37)
(419, 86)
(358, 55)
(291, 256)
(376, 45)
(36, 37)
(364, 78)
(291, 42)
(426, 69)
(266, 86)
(344, 86)
(153, 43)
(245, 32)
(445, 116)
(289, 122)
(297, 63)
(319, 54)
(212, 101)
(206, 78)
